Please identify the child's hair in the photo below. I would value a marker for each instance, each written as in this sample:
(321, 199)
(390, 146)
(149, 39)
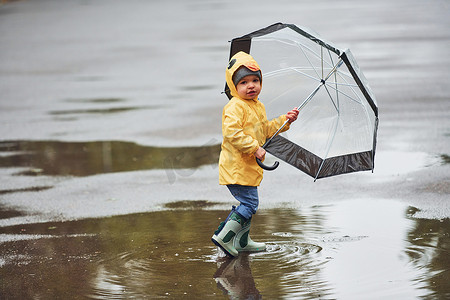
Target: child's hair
(244, 71)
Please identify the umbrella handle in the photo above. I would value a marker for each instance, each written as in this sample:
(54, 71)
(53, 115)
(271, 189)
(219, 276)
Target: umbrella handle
(265, 167)
(276, 164)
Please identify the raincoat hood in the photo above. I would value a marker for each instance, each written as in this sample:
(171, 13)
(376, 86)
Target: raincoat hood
(238, 60)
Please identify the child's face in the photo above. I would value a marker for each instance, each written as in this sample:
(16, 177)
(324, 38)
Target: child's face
(249, 87)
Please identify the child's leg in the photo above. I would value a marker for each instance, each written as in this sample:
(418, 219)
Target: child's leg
(248, 197)
(237, 224)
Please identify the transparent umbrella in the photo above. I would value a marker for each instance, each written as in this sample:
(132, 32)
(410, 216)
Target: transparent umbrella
(337, 125)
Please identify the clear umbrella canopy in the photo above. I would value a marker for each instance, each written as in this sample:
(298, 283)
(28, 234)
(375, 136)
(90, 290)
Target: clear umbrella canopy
(336, 129)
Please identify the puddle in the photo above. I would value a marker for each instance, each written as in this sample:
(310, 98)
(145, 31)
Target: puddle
(29, 189)
(89, 158)
(348, 250)
(98, 100)
(194, 204)
(68, 114)
(112, 110)
(6, 213)
(197, 87)
(445, 159)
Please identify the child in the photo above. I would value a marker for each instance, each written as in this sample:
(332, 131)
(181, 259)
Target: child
(245, 128)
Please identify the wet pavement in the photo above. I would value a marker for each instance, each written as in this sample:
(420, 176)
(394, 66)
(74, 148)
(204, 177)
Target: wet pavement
(109, 137)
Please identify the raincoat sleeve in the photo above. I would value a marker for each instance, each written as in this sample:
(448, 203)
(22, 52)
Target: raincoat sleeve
(274, 124)
(234, 133)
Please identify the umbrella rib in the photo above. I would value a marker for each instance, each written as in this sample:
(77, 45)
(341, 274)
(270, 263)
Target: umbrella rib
(289, 68)
(331, 57)
(307, 75)
(345, 80)
(333, 71)
(356, 94)
(346, 83)
(295, 69)
(337, 93)
(315, 54)
(291, 43)
(341, 84)
(322, 82)
(321, 58)
(331, 99)
(309, 61)
(302, 47)
(328, 148)
(358, 100)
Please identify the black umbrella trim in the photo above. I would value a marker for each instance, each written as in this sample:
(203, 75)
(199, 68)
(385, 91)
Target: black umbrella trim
(311, 164)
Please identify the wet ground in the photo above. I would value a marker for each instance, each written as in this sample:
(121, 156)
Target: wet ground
(109, 137)
(313, 253)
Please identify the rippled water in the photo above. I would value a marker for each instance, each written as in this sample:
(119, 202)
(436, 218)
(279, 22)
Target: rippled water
(313, 252)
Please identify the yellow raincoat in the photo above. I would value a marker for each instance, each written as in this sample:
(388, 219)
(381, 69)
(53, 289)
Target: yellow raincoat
(244, 128)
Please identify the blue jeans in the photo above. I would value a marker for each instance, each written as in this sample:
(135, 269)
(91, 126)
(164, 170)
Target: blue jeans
(247, 196)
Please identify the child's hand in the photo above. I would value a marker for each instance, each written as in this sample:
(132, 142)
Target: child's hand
(292, 115)
(260, 153)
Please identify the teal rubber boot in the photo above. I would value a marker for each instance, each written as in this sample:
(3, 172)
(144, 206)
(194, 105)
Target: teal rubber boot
(225, 235)
(243, 242)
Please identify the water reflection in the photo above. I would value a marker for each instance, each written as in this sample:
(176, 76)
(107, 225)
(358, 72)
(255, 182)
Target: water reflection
(88, 158)
(429, 248)
(168, 254)
(234, 277)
